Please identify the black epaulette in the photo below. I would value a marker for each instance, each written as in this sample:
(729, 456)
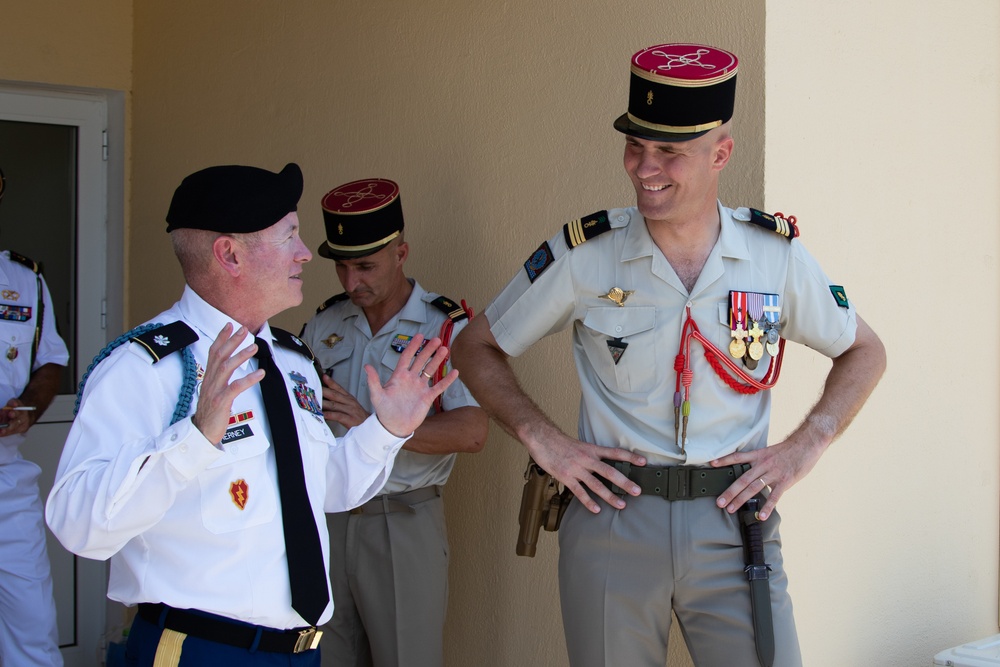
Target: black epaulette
(165, 340)
(292, 342)
(776, 223)
(586, 228)
(454, 311)
(332, 300)
(21, 259)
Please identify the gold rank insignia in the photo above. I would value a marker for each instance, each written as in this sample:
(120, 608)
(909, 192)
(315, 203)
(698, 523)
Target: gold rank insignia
(10, 294)
(618, 295)
(332, 340)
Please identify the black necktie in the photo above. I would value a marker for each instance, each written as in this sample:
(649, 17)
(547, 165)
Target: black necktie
(306, 571)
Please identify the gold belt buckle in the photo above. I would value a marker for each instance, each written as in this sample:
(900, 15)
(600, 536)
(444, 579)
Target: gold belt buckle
(308, 640)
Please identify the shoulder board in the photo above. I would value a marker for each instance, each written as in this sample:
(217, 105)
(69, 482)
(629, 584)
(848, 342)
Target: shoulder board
(292, 342)
(776, 223)
(21, 259)
(586, 228)
(332, 300)
(165, 340)
(454, 311)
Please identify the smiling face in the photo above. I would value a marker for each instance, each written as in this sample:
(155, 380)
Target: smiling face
(275, 255)
(677, 181)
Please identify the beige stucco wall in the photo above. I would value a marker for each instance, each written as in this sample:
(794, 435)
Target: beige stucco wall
(85, 43)
(495, 120)
(882, 137)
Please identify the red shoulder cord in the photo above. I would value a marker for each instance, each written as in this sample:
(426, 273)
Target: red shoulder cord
(719, 361)
(445, 336)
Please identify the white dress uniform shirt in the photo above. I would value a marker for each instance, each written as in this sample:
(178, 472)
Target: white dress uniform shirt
(629, 404)
(19, 289)
(343, 342)
(167, 506)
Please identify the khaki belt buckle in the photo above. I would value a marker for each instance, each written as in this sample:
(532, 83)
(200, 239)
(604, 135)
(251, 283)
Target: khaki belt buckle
(678, 483)
(308, 640)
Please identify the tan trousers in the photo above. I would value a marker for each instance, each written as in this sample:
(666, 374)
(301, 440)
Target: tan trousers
(622, 572)
(390, 588)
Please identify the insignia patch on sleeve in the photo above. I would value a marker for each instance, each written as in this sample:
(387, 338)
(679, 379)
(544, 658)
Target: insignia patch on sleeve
(840, 295)
(539, 261)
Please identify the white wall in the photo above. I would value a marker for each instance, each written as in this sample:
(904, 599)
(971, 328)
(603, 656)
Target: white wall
(882, 137)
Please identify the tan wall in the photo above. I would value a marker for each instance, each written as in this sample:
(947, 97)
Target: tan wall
(82, 43)
(882, 138)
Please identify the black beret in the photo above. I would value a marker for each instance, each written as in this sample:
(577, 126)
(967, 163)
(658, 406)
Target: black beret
(234, 199)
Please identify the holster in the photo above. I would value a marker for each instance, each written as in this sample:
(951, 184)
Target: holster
(542, 506)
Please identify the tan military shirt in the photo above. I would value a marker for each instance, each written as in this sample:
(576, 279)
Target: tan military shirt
(343, 343)
(630, 404)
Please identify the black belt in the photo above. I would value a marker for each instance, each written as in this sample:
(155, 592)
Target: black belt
(216, 629)
(398, 502)
(678, 482)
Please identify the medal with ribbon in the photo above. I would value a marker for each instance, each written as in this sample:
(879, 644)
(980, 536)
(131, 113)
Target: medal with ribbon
(737, 319)
(772, 313)
(755, 311)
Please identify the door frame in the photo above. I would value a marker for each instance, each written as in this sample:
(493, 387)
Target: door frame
(99, 116)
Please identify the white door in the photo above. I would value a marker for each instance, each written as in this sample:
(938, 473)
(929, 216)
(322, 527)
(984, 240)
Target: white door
(53, 151)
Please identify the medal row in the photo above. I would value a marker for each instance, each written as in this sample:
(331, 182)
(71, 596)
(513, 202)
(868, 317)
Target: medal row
(753, 324)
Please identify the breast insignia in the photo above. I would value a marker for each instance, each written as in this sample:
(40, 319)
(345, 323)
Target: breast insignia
(618, 296)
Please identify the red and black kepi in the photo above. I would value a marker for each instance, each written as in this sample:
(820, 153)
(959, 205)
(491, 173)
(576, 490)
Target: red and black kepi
(678, 92)
(361, 218)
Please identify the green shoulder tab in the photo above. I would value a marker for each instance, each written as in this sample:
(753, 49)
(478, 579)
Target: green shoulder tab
(21, 259)
(292, 342)
(337, 298)
(164, 340)
(454, 311)
(777, 223)
(586, 228)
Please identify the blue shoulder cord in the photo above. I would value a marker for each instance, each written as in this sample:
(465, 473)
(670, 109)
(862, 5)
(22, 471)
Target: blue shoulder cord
(190, 371)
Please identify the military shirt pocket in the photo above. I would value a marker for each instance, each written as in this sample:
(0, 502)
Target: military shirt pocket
(315, 439)
(16, 341)
(606, 330)
(237, 490)
(724, 336)
(336, 359)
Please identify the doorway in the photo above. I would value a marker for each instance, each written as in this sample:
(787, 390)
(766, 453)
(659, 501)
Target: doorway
(62, 154)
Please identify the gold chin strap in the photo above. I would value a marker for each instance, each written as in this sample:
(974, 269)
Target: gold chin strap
(676, 129)
(362, 248)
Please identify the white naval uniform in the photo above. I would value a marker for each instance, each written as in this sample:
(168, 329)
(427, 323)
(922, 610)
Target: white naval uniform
(28, 634)
(164, 504)
(389, 571)
(629, 404)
